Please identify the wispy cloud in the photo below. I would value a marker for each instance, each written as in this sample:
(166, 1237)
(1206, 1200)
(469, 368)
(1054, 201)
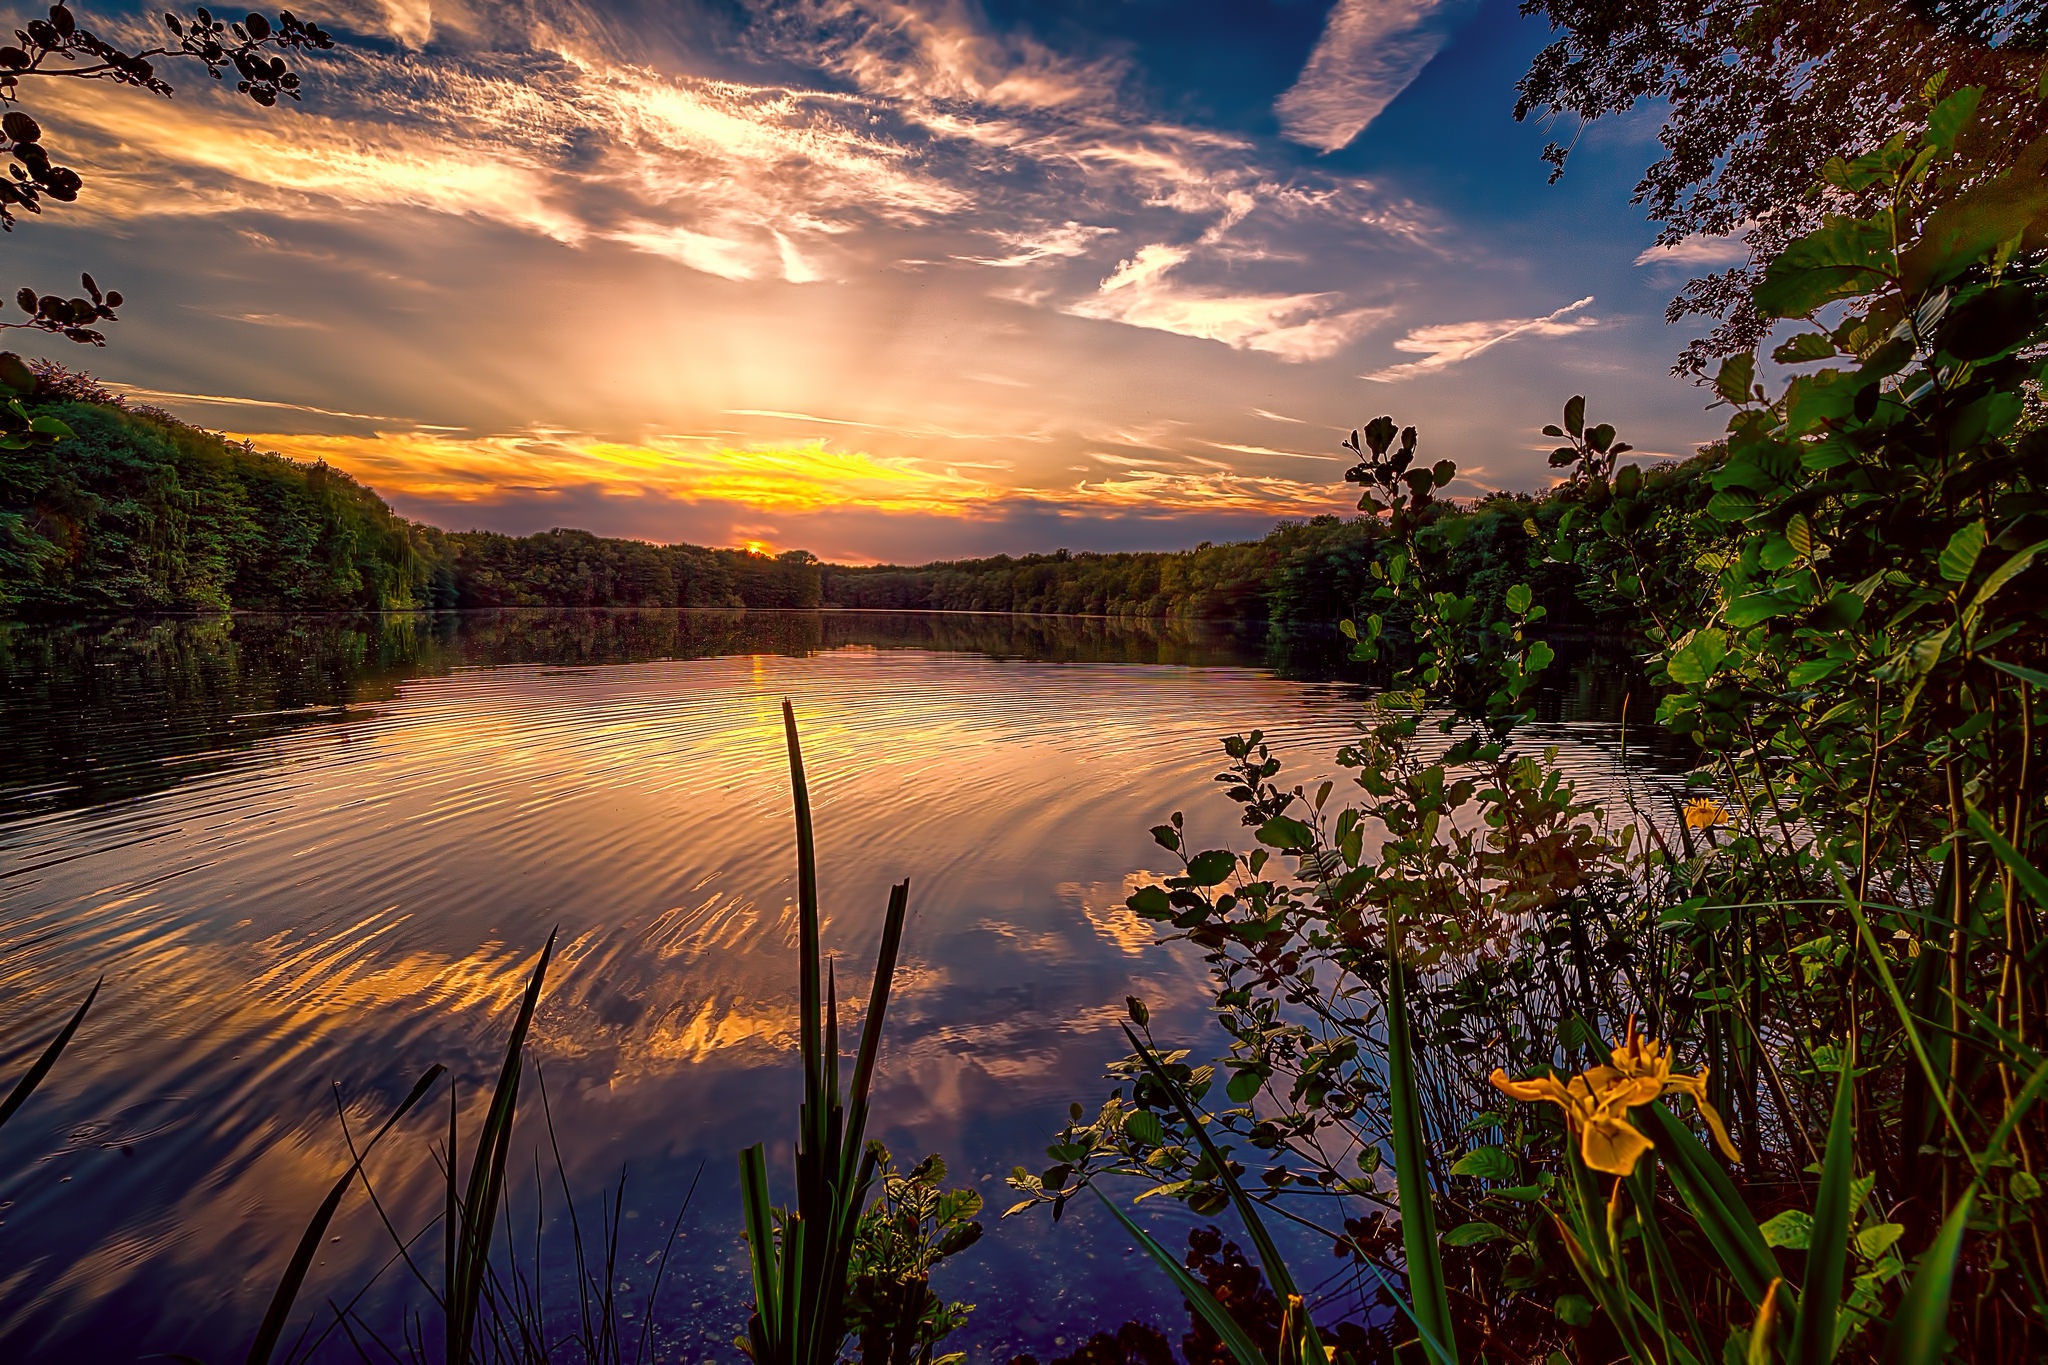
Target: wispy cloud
(1369, 52)
(1293, 327)
(148, 395)
(1268, 450)
(1067, 240)
(1696, 250)
(1452, 343)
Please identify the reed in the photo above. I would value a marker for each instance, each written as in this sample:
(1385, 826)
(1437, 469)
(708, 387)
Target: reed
(800, 1255)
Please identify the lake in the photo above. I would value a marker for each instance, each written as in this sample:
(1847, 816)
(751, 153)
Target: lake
(313, 856)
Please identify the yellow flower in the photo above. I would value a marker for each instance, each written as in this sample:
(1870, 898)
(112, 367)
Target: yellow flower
(1596, 1102)
(1705, 813)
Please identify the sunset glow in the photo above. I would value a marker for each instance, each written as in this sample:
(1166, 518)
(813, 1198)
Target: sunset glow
(878, 280)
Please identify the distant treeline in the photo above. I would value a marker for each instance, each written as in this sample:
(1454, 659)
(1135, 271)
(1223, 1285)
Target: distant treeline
(139, 512)
(1306, 572)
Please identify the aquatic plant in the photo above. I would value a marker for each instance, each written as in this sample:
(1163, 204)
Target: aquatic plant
(802, 1255)
(1847, 936)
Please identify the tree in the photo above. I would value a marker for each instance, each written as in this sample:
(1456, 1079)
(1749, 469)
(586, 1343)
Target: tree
(57, 48)
(1760, 94)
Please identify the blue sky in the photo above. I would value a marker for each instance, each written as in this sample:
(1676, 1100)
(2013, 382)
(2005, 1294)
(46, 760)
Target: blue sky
(878, 279)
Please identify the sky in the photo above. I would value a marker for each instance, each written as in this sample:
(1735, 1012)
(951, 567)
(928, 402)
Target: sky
(886, 281)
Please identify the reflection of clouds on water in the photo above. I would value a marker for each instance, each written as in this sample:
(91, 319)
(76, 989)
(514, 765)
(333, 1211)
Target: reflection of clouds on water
(1114, 921)
(281, 907)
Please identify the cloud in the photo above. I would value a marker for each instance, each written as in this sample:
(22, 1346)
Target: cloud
(1269, 451)
(801, 477)
(1368, 53)
(1068, 239)
(1293, 327)
(433, 468)
(1445, 344)
(1696, 250)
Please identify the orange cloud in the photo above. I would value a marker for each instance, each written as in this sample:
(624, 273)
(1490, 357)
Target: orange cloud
(779, 478)
(775, 478)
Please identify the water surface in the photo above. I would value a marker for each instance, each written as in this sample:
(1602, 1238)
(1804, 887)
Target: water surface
(313, 856)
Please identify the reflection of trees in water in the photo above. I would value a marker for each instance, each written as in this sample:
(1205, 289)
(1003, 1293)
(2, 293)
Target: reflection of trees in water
(98, 712)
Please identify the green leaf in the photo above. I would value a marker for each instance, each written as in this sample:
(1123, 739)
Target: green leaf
(1804, 348)
(1792, 1230)
(1799, 535)
(1286, 834)
(15, 375)
(1212, 868)
(1150, 902)
(1730, 506)
(2033, 677)
(1244, 1085)
(1948, 118)
(1472, 1234)
(1575, 414)
(1919, 1334)
(1844, 257)
(2005, 573)
(1970, 226)
(1738, 373)
(1755, 607)
(1815, 670)
(1960, 555)
(1827, 1253)
(1519, 597)
(1839, 612)
(1485, 1163)
(1143, 1126)
(1875, 1240)
(1697, 657)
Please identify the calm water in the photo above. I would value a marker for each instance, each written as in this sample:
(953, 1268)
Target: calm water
(313, 857)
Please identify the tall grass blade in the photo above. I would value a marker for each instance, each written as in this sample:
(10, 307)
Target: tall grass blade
(2023, 871)
(1820, 1296)
(765, 1329)
(1711, 1195)
(1270, 1260)
(1419, 1245)
(26, 1086)
(1918, 1333)
(287, 1291)
(800, 1288)
(1235, 1339)
(469, 1268)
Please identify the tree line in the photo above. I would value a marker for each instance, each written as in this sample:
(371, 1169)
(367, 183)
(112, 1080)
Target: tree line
(136, 511)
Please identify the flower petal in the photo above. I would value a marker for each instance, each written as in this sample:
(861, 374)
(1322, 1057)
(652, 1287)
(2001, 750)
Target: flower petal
(1538, 1089)
(1612, 1145)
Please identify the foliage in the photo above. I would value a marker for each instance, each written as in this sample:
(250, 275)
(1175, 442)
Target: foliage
(59, 48)
(803, 1258)
(136, 511)
(914, 1223)
(1842, 932)
(1757, 94)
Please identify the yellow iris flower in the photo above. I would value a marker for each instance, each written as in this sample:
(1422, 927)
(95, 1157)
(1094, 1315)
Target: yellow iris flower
(1596, 1102)
(1705, 813)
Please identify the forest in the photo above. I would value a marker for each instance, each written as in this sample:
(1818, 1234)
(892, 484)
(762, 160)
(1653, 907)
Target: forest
(135, 511)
